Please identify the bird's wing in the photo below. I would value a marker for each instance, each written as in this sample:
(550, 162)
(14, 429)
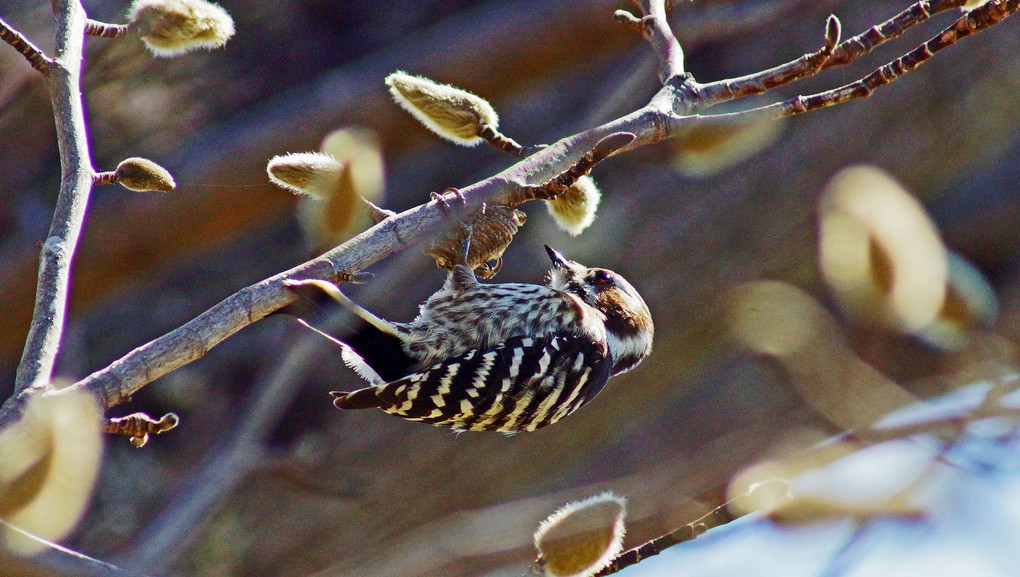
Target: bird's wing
(521, 384)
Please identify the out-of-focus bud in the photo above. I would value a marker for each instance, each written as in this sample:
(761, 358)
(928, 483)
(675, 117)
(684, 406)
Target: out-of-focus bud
(49, 461)
(784, 322)
(970, 304)
(574, 209)
(714, 144)
(331, 219)
(880, 254)
(582, 537)
(491, 233)
(143, 175)
(333, 184)
(172, 27)
(452, 113)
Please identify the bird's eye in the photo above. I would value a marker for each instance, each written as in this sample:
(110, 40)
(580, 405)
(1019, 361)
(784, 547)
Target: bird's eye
(601, 277)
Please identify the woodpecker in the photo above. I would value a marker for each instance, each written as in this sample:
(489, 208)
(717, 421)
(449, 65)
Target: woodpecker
(498, 357)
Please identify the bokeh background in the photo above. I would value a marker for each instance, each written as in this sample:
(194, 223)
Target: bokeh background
(264, 477)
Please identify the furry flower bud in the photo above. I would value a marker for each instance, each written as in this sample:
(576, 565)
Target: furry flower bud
(143, 175)
(452, 113)
(574, 209)
(311, 173)
(172, 27)
(582, 537)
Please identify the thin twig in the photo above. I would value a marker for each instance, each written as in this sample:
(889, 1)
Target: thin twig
(106, 30)
(891, 29)
(654, 27)
(35, 56)
(551, 189)
(721, 515)
(664, 43)
(62, 561)
(812, 63)
(139, 426)
(500, 141)
(967, 25)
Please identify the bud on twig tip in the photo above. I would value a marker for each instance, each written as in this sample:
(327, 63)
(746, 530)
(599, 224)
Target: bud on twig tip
(172, 27)
(833, 31)
(311, 173)
(582, 538)
(452, 113)
(574, 208)
(138, 426)
(143, 175)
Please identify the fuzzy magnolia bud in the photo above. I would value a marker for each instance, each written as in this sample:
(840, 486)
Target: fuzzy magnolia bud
(49, 461)
(452, 113)
(574, 208)
(143, 175)
(333, 184)
(173, 27)
(311, 173)
(881, 255)
(582, 538)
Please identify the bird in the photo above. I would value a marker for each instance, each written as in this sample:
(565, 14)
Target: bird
(505, 357)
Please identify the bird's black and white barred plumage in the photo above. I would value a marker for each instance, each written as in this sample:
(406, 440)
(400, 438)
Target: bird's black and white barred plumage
(499, 357)
(517, 385)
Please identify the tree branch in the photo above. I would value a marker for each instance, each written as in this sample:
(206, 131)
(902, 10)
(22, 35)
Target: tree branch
(36, 57)
(106, 30)
(62, 79)
(721, 515)
(810, 64)
(664, 116)
(967, 25)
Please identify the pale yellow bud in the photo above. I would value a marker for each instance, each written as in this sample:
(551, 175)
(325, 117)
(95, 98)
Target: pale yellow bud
(311, 173)
(143, 175)
(970, 304)
(49, 461)
(880, 254)
(337, 213)
(972, 5)
(582, 537)
(359, 150)
(452, 113)
(173, 27)
(574, 209)
(332, 184)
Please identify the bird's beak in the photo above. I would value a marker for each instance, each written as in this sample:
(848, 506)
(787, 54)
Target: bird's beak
(557, 259)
